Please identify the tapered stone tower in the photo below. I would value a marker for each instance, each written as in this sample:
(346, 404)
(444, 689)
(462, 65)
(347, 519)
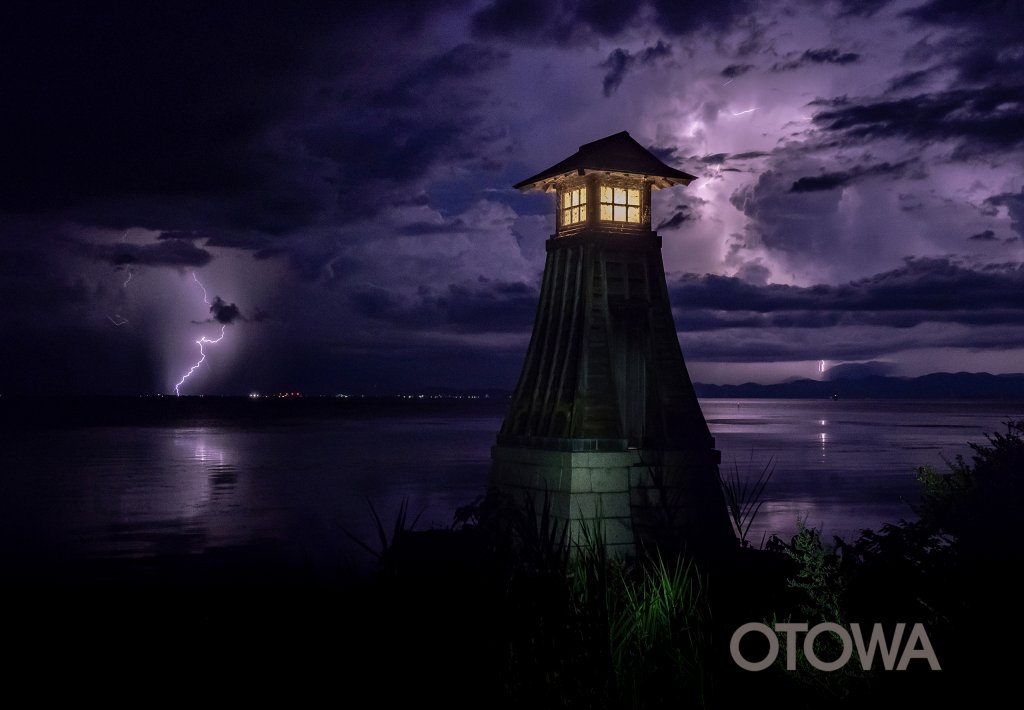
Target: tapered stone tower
(604, 421)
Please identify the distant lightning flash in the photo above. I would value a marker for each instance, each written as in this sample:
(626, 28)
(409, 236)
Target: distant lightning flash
(200, 342)
(124, 239)
(195, 278)
(749, 110)
(117, 319)
(202, 356)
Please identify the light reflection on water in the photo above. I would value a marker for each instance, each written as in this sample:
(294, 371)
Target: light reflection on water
(137, 492)
(149, 492)
(845, 465)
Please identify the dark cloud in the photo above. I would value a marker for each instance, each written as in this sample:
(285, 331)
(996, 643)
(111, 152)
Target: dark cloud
(245, 240)
(865, 8)
(173, 252)
(455, 226)
(977, 120)
(617, 63)
(270, 253)
(908, 80)
(375, 154)
(794, 223)
(827, 181)
(223, 118)
(41, 293)
(681, 17)
(682, 214)
(754, 272)
(817, 56)
(520, 19)
(559, 22)
(829, 56)
(722, 159)
(181, 234)
(983, 44)
(147, 100)
(566, 22)
(748, 155)
(922, 291)
(425, 81)
(376, 302)
(490, 307)
(505, 307)
(621, 61)
(840, 343)
(830, 181)
(1014, 203)
(734, 70)
(607, 17)
(666, 154)
(956, 13)
(909, 202)
(315, 133)
(224, 313)
(801, 220)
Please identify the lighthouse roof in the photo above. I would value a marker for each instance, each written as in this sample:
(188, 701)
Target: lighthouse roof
(617, 153)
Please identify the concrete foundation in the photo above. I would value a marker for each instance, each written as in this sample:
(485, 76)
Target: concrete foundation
(639, 499)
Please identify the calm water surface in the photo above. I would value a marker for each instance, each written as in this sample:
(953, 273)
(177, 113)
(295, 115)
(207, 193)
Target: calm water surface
(845, 465)
(157, 491)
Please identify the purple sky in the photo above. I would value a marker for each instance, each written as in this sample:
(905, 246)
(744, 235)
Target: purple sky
(339, 176)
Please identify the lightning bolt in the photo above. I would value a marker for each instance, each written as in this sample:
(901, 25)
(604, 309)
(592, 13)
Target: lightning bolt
(117, 319)
(202, 356)
(195, 278)
(124, 239)
(200, 342)
(749, 110)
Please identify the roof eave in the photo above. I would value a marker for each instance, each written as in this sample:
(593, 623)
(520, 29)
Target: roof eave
(545, 182)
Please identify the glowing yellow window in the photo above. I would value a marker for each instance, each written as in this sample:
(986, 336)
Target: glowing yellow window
(574, 206)
(620, 204)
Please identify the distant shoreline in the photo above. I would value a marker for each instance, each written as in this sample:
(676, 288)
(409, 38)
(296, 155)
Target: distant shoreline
(939, 385)
(19, 412)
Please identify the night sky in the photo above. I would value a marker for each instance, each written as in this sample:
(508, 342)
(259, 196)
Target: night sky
(337, 178)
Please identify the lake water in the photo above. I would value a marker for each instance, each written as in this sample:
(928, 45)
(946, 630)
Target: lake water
(112, 492)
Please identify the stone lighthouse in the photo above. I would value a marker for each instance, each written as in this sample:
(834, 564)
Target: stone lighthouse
(604, 423)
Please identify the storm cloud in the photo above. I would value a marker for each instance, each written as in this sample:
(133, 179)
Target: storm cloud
(977, 121)
(922, 291)
(171, 252)
(817, 56)
(348, 168)
(620, 61)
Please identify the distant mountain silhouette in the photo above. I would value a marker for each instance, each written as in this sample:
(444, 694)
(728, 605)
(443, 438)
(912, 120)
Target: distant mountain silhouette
(939, 385)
